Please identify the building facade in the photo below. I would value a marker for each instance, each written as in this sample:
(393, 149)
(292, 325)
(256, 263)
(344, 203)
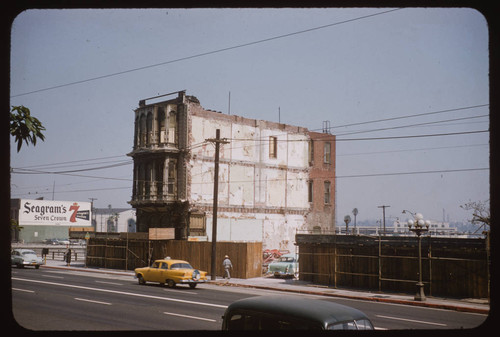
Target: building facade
(274, 179)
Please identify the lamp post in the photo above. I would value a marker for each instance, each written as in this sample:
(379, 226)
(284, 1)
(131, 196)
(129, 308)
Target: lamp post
(419, 226)
(347, 219)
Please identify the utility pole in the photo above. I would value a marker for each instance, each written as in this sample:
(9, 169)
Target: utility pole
(383, 212)
(92, 215)
(217, 141)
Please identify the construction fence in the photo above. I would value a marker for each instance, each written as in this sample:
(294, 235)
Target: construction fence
(451, 267)
(128, 253)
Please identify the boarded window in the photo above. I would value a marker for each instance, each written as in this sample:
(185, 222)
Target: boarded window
(197, 225)
(273, 147)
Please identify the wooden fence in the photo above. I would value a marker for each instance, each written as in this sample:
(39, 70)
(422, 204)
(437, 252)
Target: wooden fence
(450, 267)
(128, 254)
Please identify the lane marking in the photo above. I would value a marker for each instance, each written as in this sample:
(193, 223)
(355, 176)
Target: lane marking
(113, 283)
(91, 301)
(186, 292)
(122, 293)
(53, 276)
(411, 320)
(193, 317)
(26, 291)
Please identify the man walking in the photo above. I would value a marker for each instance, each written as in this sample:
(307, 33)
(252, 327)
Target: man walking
(227, 264)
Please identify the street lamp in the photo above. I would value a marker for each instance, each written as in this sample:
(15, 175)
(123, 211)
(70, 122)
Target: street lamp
(347, 219)
(419, 226)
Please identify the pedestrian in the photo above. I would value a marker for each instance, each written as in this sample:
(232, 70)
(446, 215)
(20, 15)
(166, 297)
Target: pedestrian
(227, 265)
(67, 256)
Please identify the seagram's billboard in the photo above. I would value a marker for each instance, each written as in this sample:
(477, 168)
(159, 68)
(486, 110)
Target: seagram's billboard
(50, 213)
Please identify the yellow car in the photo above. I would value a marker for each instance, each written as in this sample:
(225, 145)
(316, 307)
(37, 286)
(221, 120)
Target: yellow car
(171, 272)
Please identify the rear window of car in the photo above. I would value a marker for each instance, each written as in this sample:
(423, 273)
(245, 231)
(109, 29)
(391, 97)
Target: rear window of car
(181, 266)
(247, 321)
(361, 324)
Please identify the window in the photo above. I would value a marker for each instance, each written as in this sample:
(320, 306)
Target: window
(327, 153)
(327, 192)
(310, 191)
(149, 129)
(311, 152)
(273, 147)
(172, 176)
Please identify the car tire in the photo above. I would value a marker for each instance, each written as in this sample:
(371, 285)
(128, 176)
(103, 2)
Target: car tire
(192, 285)
(37, 266)
(141, 280)
(20, 266)
(171, 283)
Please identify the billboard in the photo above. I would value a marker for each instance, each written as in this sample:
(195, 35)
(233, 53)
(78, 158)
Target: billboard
(54, 213)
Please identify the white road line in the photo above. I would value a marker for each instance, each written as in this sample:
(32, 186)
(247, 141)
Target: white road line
(411, 320)
(26, 291)
(53, 276)
(122, 293)
(91, 301)
(193, 317)
(184, 292)
(113, 283)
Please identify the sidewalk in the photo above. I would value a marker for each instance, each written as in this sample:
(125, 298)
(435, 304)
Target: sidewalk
(480, 306)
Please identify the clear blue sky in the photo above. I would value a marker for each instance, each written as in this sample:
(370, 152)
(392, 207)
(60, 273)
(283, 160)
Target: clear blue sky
(356, 67)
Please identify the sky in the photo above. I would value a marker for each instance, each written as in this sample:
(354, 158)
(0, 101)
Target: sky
(413, 81)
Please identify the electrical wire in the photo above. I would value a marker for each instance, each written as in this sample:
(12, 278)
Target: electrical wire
(206, 53)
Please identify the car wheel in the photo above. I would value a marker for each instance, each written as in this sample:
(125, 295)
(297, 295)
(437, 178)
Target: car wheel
(192, 285)
(141, 279)
(37, 266)
(20, 265)
(171, 283)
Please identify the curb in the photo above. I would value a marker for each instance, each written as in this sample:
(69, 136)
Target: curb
(385, 300)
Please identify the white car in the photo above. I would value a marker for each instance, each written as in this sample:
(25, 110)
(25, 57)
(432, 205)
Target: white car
(25, 257)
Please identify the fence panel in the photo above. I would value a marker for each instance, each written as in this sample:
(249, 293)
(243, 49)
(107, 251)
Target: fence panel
(128, 254)
(450, 267)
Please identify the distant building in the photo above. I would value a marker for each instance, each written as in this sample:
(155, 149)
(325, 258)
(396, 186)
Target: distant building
(273, 178)
(437, 228)
(114, 220)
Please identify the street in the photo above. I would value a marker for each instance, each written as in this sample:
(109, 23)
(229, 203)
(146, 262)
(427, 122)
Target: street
(46, 299)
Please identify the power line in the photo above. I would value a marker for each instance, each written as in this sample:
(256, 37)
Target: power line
(207, 53)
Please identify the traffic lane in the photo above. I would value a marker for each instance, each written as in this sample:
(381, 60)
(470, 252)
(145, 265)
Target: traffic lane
(204, 292)
(385, 316)
(400, 316)
(45, 305)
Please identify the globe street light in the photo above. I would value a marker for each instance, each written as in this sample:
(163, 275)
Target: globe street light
(347, 219)
(419, 226)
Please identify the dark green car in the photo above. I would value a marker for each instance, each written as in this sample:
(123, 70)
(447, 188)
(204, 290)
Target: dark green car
(292, 313)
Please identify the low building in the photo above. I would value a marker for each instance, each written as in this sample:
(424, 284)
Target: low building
(274, 179)
(114, 220)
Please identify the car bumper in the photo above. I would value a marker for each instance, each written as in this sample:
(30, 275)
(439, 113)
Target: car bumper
(192, 281)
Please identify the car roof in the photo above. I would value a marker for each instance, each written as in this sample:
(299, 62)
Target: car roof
(170, 261)
(24, 250)
(324, 312)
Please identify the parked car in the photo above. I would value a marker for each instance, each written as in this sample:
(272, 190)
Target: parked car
(292, 313)
(286, 265)
(25, 257)
(171, 272)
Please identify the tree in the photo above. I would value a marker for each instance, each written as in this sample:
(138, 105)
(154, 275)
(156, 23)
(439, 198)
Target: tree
(25, 127)
(480, 212)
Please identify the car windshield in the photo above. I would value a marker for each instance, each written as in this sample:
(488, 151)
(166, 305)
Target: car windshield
(181, 266)
(29, 252)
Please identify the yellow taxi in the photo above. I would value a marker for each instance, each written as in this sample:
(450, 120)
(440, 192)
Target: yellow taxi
(171, 272)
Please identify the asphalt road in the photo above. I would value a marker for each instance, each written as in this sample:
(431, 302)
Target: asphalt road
(70, 300)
